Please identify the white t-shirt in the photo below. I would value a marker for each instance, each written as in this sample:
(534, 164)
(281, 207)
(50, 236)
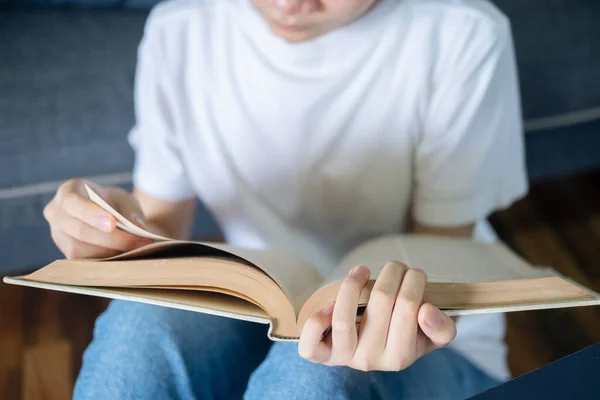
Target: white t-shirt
(317, 146)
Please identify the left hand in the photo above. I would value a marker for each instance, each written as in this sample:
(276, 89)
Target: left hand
(396, 328)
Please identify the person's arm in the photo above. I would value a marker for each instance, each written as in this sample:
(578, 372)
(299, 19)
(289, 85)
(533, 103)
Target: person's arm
(463, 230)
(172, 219)
(164, 199)
(469, 162)
(161, 183)
(82, 229)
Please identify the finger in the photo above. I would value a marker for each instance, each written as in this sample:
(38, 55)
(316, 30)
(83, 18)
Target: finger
(376, 319)
(439, 328)
(49, 210)
(118, 240)
(343, 327)
(75, 249)
(311, 345)
(83, 209)
(402, 335)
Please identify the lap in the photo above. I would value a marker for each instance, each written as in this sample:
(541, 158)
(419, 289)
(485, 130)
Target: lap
(143, 351)
(442, 374)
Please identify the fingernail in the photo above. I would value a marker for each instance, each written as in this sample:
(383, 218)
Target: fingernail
(360, 271)
(435, 319)
(104, 223)
(138, 219)
(329, 309)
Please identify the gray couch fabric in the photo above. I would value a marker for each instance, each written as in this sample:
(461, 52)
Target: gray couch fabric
(65, 93)
(557, 51)
(66, 81)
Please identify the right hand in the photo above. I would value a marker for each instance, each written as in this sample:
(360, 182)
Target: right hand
(81, 229)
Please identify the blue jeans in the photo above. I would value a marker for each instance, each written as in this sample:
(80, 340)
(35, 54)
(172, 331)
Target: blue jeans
(147, 352)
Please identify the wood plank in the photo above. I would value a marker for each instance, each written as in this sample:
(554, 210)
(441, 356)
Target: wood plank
(542, 227)
(11, 339)
(527, 350)
(587, 190)
(43, 316)
(10, 383)
(79, 315)
(47, 372)
(526, 231)
(568, 216)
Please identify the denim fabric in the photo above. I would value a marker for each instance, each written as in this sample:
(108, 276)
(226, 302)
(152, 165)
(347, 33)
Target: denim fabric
(147, 352)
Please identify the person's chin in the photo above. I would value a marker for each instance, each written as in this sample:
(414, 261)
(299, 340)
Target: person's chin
(293, 35)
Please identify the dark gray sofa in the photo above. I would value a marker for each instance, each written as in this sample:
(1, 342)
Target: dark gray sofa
(66, 79)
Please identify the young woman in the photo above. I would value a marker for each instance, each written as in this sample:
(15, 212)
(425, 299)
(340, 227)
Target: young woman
(310, 126)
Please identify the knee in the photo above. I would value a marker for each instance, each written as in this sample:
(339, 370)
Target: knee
(128, 354)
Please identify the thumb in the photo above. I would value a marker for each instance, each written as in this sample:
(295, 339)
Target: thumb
(436, 325)
(128, 206)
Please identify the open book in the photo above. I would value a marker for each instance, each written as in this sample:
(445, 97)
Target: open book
(283, 290)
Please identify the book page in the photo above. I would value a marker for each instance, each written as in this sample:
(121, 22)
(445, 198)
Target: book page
(122, 222)
(296, 277)
(444, 259)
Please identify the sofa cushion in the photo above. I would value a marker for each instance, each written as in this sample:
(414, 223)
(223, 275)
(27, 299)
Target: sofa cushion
(558, 55)
(88, 4)
(66, 79)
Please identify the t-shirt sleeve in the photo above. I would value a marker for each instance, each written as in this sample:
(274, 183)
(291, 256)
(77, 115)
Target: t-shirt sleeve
(469, 158)
(158, 168)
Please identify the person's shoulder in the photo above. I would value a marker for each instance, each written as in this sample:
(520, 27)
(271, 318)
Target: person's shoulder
(479, 10)
(478, 16)
(460, 34)
(178, 12)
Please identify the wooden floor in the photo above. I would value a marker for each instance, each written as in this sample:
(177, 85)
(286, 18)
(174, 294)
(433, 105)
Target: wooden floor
(43, 333)
(557, 225)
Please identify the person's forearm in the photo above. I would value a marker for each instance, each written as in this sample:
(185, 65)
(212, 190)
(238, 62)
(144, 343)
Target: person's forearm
(461, 231)
(171, 219)
(154, 227)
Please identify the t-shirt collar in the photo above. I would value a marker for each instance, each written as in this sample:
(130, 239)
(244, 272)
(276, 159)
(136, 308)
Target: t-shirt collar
(323, 52)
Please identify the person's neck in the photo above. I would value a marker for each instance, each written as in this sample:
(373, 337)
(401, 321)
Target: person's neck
(324, 52)
(333, 28)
